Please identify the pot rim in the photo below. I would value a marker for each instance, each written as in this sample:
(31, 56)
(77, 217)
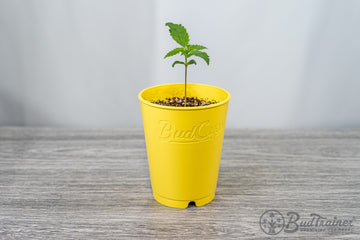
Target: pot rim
(227, 99)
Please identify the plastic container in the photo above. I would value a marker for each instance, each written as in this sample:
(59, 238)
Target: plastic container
(184, 143)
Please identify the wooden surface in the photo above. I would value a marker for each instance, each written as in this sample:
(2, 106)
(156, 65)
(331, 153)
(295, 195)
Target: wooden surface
(94, 184)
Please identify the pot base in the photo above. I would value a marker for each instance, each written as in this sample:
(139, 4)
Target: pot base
(183, 203)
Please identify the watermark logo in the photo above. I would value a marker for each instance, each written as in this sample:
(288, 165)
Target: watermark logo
(272, 222)
(200, 132)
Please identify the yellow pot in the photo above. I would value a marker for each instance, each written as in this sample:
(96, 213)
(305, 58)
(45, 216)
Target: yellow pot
(184, 143)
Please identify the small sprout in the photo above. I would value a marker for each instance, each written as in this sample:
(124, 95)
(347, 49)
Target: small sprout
(179, 34)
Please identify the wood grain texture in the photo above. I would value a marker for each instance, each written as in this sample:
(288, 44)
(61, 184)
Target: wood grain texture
(94, 184)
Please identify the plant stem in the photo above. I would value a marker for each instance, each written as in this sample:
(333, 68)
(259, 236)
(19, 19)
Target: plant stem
(186, 65)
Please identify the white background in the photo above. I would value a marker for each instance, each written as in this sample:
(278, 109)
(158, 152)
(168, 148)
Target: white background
(81, 63)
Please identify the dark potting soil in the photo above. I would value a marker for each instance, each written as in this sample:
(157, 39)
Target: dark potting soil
(180, 102)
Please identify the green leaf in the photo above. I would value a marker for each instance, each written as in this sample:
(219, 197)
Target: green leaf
(192, 61)
(177, 62)
(200, 54)
(173, 52)
(196, 47)
(178, 33)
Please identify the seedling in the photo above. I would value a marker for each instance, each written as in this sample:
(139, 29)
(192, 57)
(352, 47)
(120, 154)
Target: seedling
(179, 34)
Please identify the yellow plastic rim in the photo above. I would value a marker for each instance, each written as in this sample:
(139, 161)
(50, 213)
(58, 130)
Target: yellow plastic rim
(143, 100)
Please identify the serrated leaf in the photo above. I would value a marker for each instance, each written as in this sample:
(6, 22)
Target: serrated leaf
(177, 62)
(196, 47)
(173, 52)
(201, 54)
(178, 33)
(192, 61)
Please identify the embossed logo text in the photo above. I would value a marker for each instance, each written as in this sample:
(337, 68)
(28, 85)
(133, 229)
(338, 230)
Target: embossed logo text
(200, 132)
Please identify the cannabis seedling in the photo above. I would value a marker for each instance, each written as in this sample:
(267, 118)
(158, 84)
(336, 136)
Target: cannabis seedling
(179, 34)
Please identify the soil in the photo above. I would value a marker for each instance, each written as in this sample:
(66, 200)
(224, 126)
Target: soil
(180, 102)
